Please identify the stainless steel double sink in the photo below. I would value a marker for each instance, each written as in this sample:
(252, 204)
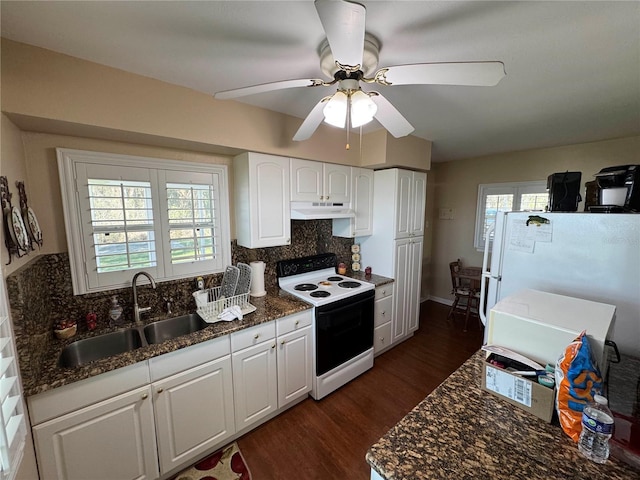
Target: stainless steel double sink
(88, 350)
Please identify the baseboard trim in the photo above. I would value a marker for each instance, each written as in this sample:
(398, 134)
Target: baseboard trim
(445, 301)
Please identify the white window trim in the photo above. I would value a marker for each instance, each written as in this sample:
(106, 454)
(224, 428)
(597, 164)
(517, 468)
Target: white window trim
(515, 188)
(67, 160)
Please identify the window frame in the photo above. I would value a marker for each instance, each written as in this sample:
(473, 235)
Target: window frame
(517, 189)
(160, 172)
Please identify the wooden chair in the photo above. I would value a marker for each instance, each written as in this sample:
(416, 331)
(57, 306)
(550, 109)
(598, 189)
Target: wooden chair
(466, 289)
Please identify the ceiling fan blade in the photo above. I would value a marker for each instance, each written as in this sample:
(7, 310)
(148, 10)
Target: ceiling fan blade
(343, 22)
(267, 87)
(390, 118)
(482, 74)
(311, 123)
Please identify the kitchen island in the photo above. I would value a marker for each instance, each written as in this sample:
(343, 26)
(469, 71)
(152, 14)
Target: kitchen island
(460, 431)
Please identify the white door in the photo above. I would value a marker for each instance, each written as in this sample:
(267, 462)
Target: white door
(194, 412)
(306, 181)
(414, 284)
(111, 439)
(404, 213)
(401, 285)
(272, 219)
(418, 202)
(337, 183)
(294, 365)
(255, 383)
(363, 201)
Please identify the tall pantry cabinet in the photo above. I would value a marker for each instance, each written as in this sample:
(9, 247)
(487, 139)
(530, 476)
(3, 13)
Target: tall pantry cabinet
(395, 248)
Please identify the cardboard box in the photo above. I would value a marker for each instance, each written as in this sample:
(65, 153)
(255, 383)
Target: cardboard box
(526, 394)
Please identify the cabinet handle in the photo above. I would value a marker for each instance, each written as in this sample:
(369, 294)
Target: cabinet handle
(273, 346)
(282, 342)
(327, 197)
(160, 390)
(256, 336)
(297, 322)
(384, 312)
(288, 240)
(144, 396)
(381, 339)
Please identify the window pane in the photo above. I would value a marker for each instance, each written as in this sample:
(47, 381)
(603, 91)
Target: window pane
(493, 205)
(192, 222)
(534, 201)
(122, 221)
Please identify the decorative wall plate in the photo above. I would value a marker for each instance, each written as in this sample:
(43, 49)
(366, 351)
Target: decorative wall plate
(17, 229)
(34, 226)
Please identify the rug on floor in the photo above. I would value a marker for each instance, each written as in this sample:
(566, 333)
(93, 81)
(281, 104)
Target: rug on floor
(225, 464)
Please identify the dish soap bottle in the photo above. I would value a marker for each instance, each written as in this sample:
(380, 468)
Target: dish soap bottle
(115, 313)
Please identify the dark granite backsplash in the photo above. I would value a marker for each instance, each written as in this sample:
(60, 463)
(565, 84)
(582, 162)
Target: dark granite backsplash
(41, 294)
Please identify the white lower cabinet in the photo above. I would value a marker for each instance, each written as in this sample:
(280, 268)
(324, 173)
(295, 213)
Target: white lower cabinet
(193, 412)
(255, 387)
(271, 367)
(382, 316)
(112, 439)
(147, 420)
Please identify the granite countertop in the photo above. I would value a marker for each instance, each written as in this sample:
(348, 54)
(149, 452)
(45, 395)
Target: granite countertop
(460, 431)
(377, 280)
(274, 305)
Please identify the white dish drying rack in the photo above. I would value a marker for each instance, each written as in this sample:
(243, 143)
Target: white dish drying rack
(212, 303)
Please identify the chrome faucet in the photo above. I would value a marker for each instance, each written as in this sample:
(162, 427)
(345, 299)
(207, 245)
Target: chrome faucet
(136, 309)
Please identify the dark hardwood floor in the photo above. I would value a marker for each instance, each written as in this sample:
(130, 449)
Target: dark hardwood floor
(328, 439)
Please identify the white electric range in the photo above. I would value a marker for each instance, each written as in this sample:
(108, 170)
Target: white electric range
(343, 319)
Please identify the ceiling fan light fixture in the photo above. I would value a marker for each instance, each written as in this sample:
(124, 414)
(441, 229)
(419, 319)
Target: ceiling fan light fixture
(335, 111)
(363, 109)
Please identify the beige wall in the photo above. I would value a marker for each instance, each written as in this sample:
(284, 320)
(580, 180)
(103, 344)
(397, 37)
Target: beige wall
(59, 93)
(456, 183)
(12, 166)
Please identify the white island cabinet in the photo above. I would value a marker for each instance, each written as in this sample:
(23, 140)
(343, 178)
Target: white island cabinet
(262, 200)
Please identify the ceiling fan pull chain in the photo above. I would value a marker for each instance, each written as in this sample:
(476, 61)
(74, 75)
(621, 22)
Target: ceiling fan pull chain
(348, 118)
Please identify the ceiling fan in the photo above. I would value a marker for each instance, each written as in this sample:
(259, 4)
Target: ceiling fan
(350, 55)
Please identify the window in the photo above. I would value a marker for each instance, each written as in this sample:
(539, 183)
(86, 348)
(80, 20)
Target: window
(506, 197)
(125, 214)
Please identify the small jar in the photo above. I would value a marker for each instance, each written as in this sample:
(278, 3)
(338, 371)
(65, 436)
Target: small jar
(342, 269)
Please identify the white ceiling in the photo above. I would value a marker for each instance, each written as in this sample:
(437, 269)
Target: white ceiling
(573, 68)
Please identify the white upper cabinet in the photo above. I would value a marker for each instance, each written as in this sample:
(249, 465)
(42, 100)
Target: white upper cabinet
(320, 182)
(410, 190)
(262, 200)
(362, 204)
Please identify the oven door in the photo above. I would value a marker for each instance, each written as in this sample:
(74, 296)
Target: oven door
(344, 329)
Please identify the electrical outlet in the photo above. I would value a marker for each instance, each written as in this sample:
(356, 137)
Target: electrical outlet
(446, 213)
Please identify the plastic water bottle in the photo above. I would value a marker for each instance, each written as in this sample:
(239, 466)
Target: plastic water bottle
(597, 428)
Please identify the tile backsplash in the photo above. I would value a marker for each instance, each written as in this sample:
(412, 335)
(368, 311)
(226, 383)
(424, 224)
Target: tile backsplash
(41, 294)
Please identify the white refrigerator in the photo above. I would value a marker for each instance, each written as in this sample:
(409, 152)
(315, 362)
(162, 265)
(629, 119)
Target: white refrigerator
(593, 256)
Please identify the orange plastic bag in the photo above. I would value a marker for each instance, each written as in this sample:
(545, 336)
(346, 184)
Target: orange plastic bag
(578, 379)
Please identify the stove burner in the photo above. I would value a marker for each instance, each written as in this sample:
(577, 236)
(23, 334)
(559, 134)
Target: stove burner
(334, 279)
(349, 284)
(305, 287)
(320, 294)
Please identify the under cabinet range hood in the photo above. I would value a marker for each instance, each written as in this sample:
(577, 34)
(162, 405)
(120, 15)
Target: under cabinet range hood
(320, 210)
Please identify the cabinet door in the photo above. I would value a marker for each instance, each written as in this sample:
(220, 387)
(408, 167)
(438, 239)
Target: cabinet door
(381, 338)
(400, 305)
(418, 200)
(262, 200)
(337, 183)
(404, 213)
(306, 181)
(414, 281)
(111, 439)
(294, 365)
(193, 411)
(362, 195)
(255, 386)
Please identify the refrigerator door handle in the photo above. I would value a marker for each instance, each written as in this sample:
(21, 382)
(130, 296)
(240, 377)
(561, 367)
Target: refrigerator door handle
(486, 275)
